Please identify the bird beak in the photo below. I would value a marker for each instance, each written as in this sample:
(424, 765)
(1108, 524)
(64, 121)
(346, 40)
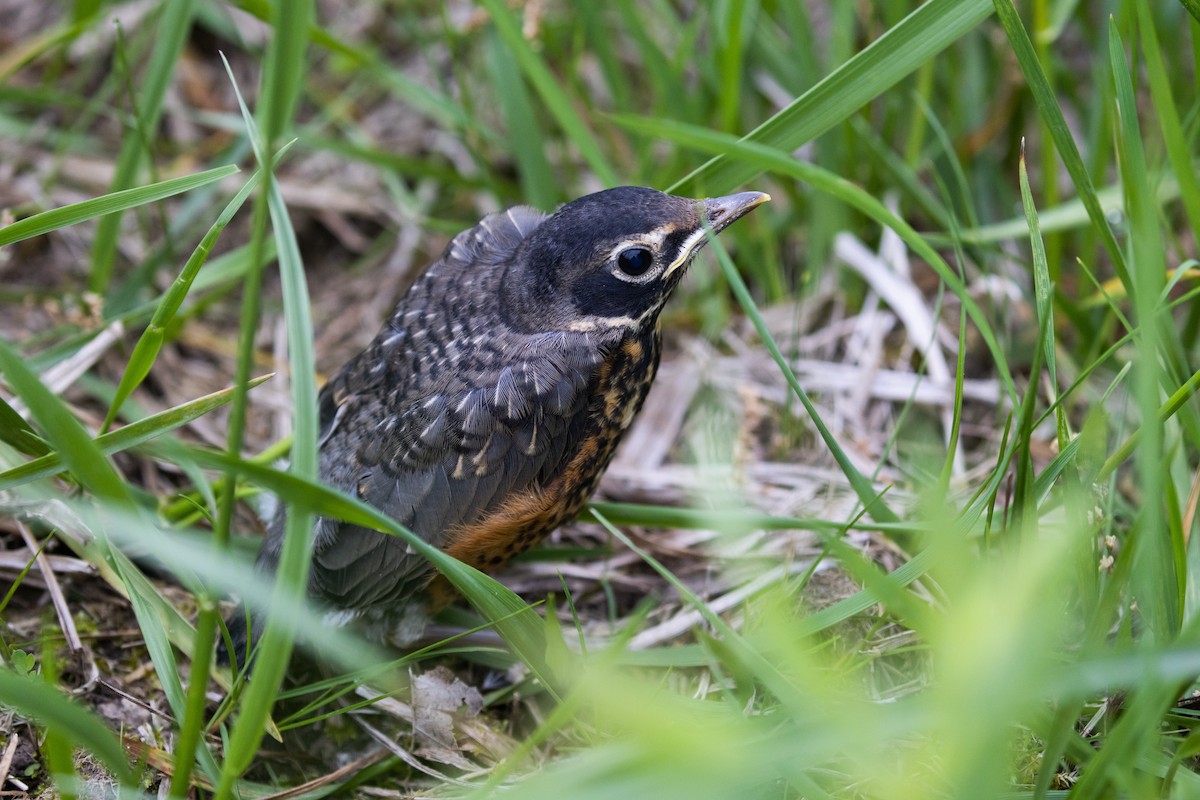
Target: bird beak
(720, 212)
(723, 211)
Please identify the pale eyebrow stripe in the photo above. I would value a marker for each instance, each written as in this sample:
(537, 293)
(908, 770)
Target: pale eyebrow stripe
(655, 238)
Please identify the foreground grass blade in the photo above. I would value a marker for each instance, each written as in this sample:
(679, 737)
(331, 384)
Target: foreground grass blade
(190, 554)
(151, 341)
(56, 218)
(286, 64)
(1193, 8)
(33, 698)
(1174, 137)
(764, 670)
(66, 434)
(98, 475)
(16, 431)
(131, 435)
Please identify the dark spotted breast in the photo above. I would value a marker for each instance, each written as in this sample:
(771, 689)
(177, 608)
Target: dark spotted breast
(616, 390)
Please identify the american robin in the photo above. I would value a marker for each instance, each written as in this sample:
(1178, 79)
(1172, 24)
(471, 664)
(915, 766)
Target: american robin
(483, 414)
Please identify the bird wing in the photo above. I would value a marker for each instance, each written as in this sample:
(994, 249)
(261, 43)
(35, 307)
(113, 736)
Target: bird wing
(493, 240)
(442, 460)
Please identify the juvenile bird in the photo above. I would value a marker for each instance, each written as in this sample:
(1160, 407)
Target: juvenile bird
(484, 412)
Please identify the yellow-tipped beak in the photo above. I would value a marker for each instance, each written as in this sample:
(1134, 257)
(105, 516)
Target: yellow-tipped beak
(722, 211)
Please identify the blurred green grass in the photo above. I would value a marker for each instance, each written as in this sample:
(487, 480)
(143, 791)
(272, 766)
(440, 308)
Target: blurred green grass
(1049, 606)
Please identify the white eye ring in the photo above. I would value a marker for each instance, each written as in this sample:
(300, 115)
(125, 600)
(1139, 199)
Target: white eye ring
(635, 262)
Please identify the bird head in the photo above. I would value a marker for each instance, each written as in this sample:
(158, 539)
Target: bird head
(609, 261)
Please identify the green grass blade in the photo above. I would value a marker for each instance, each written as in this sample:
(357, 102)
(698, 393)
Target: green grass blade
(279, 92)
(154, 627)
(924, 33)
(1193, 8)
(1056, 123)
(539, 187)
(664, 73)
(555, 98)
(56, 748)
(595, 23)
(958, 192)
(297, 310)
(1167, 410)
(764, 670)
(908, 179)
(726, 521)
(95, 472)
(871, 500)
(56, 218)
(914, 569)
(953, 448)
(15, 431)
(437, 106)
(195, 703)
(190, 555)
(131, 435)
(1044, 297)
(172, 32)
(1024, 503)
(19, 53)
(1179, 150)
(1155, 579)
(730, 31)
(63, 430)
(515, 620)
(285, 68)
(33, 698)
(1066, 216)
(150, 342)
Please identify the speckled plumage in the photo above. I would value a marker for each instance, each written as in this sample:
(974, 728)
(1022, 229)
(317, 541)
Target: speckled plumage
(485, 411)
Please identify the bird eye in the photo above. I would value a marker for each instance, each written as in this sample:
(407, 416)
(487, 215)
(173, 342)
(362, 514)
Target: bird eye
(635, 261)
